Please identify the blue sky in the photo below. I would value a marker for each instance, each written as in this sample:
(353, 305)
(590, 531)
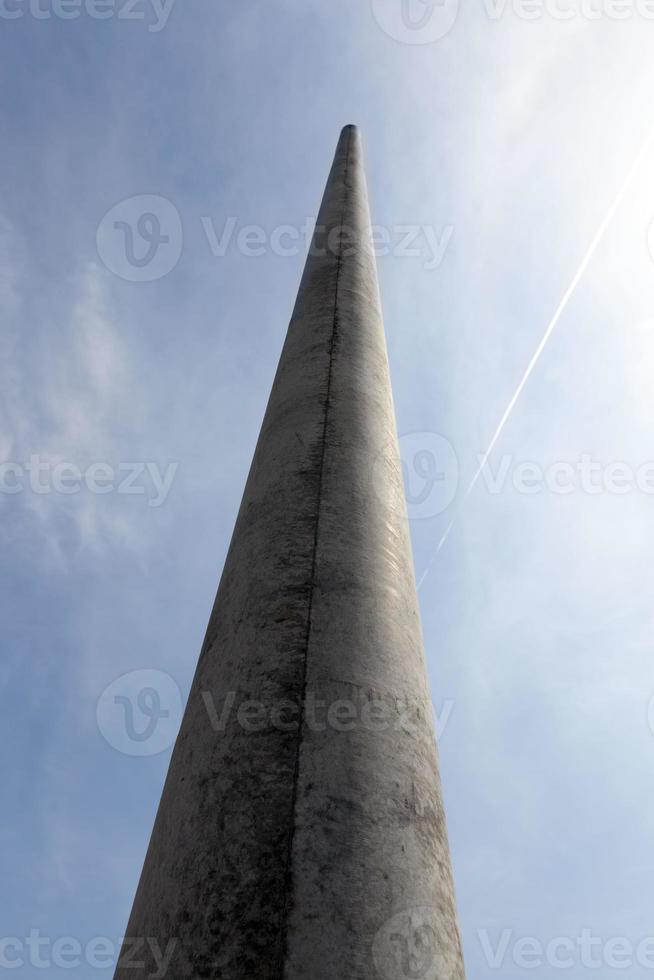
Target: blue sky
(508, 137)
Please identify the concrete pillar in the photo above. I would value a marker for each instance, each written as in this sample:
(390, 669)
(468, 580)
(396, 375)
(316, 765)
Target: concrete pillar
(303, 837)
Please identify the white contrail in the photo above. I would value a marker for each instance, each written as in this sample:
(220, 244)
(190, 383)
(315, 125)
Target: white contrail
(546, 336)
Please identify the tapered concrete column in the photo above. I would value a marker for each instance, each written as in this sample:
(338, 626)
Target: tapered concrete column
(303, 837)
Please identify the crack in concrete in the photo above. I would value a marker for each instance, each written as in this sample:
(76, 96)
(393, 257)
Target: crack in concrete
(288, 876)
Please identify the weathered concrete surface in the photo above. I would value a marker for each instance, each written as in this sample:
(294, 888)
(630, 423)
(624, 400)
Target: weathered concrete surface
(313, 848)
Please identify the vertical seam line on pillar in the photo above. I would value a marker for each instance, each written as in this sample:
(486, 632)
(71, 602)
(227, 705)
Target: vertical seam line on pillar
(296, 773)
